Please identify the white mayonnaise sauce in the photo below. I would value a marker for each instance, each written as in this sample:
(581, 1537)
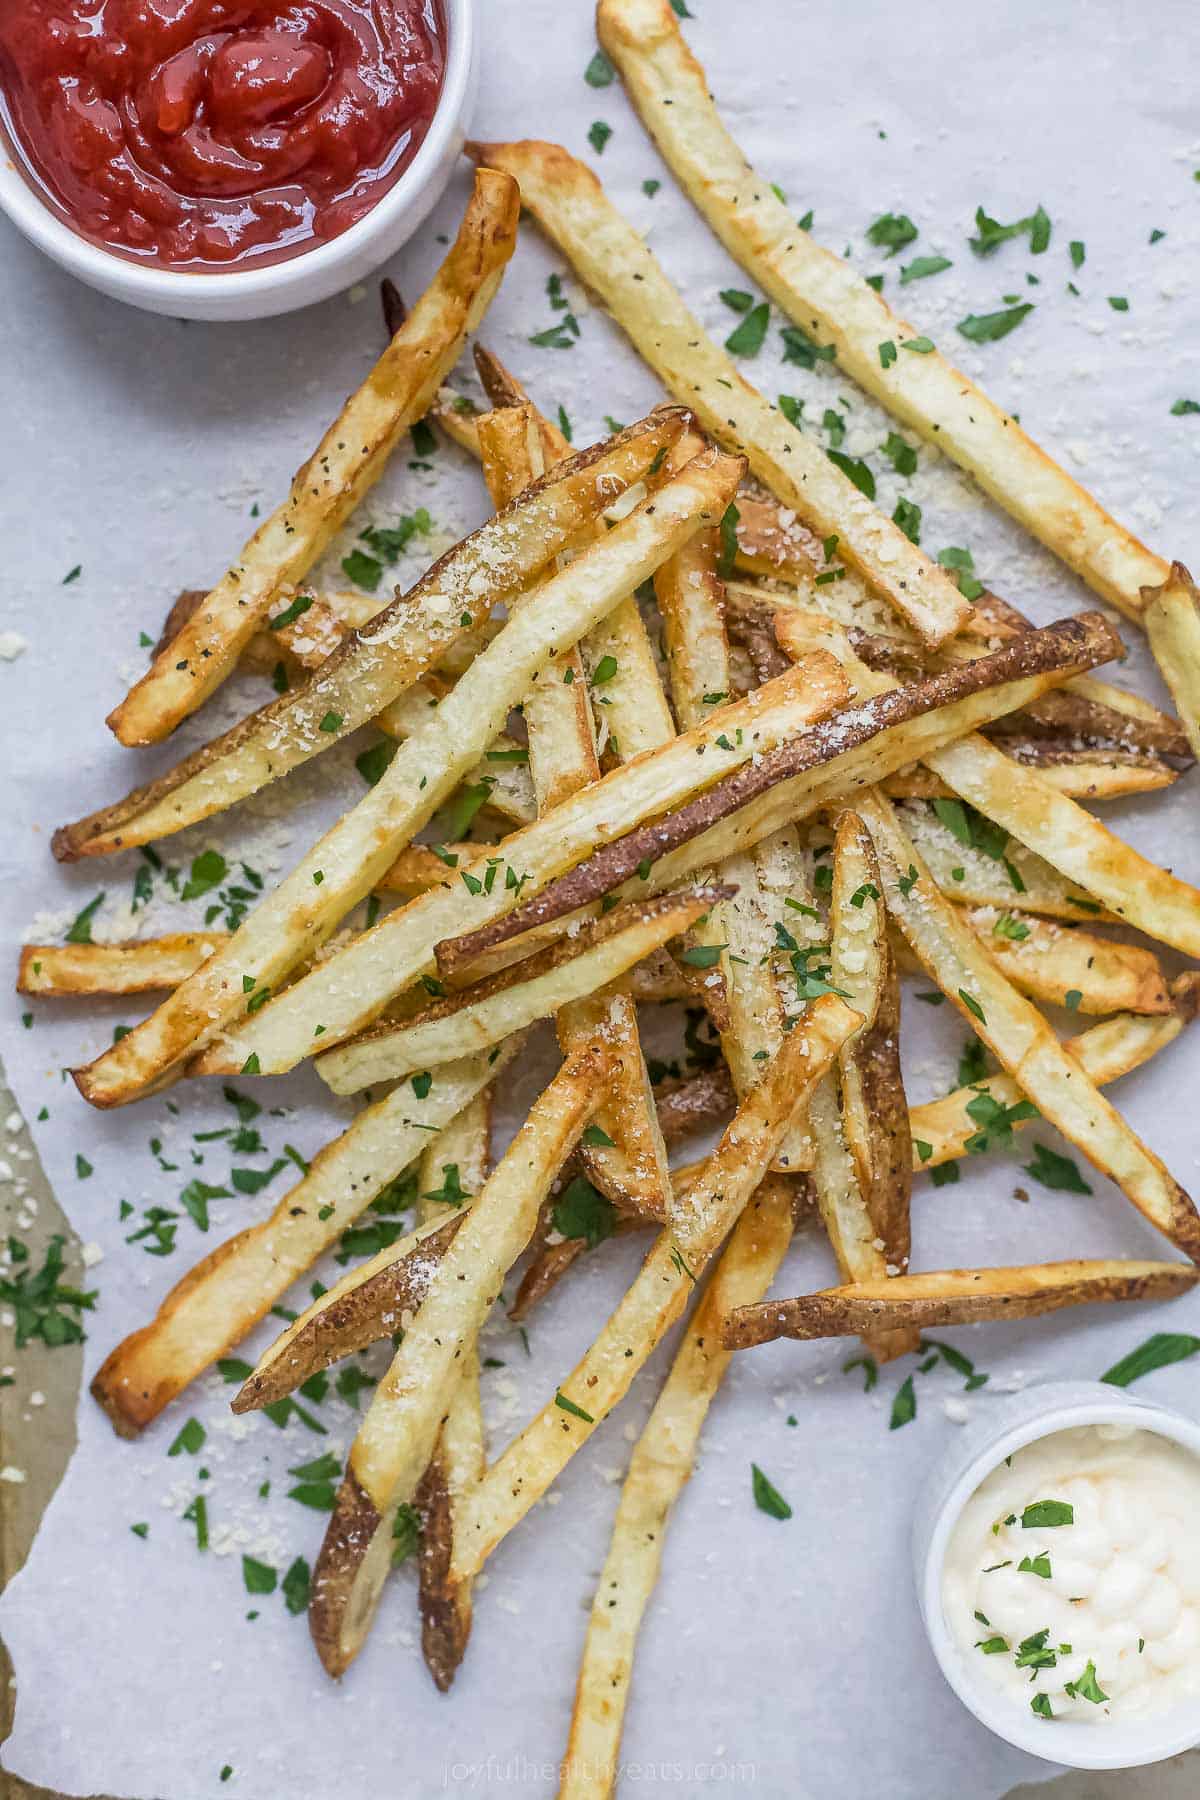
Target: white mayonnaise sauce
(1072, 1577)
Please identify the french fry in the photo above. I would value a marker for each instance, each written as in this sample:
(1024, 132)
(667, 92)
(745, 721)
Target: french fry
(1073, 968)
(874, 1113)
(373, 667)
(68, 969)
(346, 463)
(660, 1466)
(943, 1129)
(290, 923)
(348, 991)
(1171, 616)
(857, 746)
(399, 1429)
(445, 1605)
(970, 877)
(1079, 774)
(220, 1300)
(1083, 708)
(613, 260)
(832, 303)
(1014, 797)
(477, 1017)
(1018, 1035)
(954, 1297)
(710, 1207)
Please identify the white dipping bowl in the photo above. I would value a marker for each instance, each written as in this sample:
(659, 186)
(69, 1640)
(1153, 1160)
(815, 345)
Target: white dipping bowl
(299, 280)
(1039, 1412)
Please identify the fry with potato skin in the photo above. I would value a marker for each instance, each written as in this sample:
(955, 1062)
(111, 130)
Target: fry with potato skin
(224, 1296)
(707, 1211)
(290, 923)
(853, 747)
(1018, 1035)
(606, 252)
(825, 296)
(399, 1429)
(1171, 616)
(445, 1605)
(941, 1129)
(349, 990)
(136, 968)
(345, 465)
(659, 1468)
(376, 665)
(954, 1297)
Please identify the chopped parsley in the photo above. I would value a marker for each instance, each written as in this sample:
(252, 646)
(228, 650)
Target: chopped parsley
(767, 1497)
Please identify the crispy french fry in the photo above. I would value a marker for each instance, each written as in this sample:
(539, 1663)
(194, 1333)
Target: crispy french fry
(400, 1427)
(831, 302)
(609, 255)
(458, 1461)
(852, 748)
(954, 1297)
(1171, 616)
(707, 1211)
(348, 991)
(290, 923)
(1073, 968)
(235, 1285)
(874, 1107)
(345, 465)
(477, 1017)
(660, 1466)
(163, 962)
(971, 877)
(1018, 1035)
(374, 666)
(943, 1129)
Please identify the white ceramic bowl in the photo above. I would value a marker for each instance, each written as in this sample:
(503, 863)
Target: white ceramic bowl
(279, 287)
(1016, 1422)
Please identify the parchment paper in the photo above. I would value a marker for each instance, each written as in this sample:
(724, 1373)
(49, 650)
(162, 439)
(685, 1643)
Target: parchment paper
(784, 1657)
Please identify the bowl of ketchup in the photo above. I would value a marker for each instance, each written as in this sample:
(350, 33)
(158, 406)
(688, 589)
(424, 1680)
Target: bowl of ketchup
(229, 159)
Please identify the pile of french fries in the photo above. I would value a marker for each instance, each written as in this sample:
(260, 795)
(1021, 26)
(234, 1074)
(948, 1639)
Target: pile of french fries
(843, 771)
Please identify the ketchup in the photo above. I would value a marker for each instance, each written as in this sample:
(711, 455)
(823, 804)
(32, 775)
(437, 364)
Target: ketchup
(206, 134)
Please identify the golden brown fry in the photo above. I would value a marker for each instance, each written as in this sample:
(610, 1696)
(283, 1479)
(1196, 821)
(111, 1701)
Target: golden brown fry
(835, 306)
(1018, 1035)
(943, 1129)
(1171, 616)
(706, 1211)
(399, 1429)
(445, 1605)
(612, 258)
(1071, 967)
(68, 969)
(344, 466)
(954, 1297)
(300, 914)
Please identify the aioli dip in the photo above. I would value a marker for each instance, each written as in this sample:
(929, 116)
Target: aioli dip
(1072, 1576)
